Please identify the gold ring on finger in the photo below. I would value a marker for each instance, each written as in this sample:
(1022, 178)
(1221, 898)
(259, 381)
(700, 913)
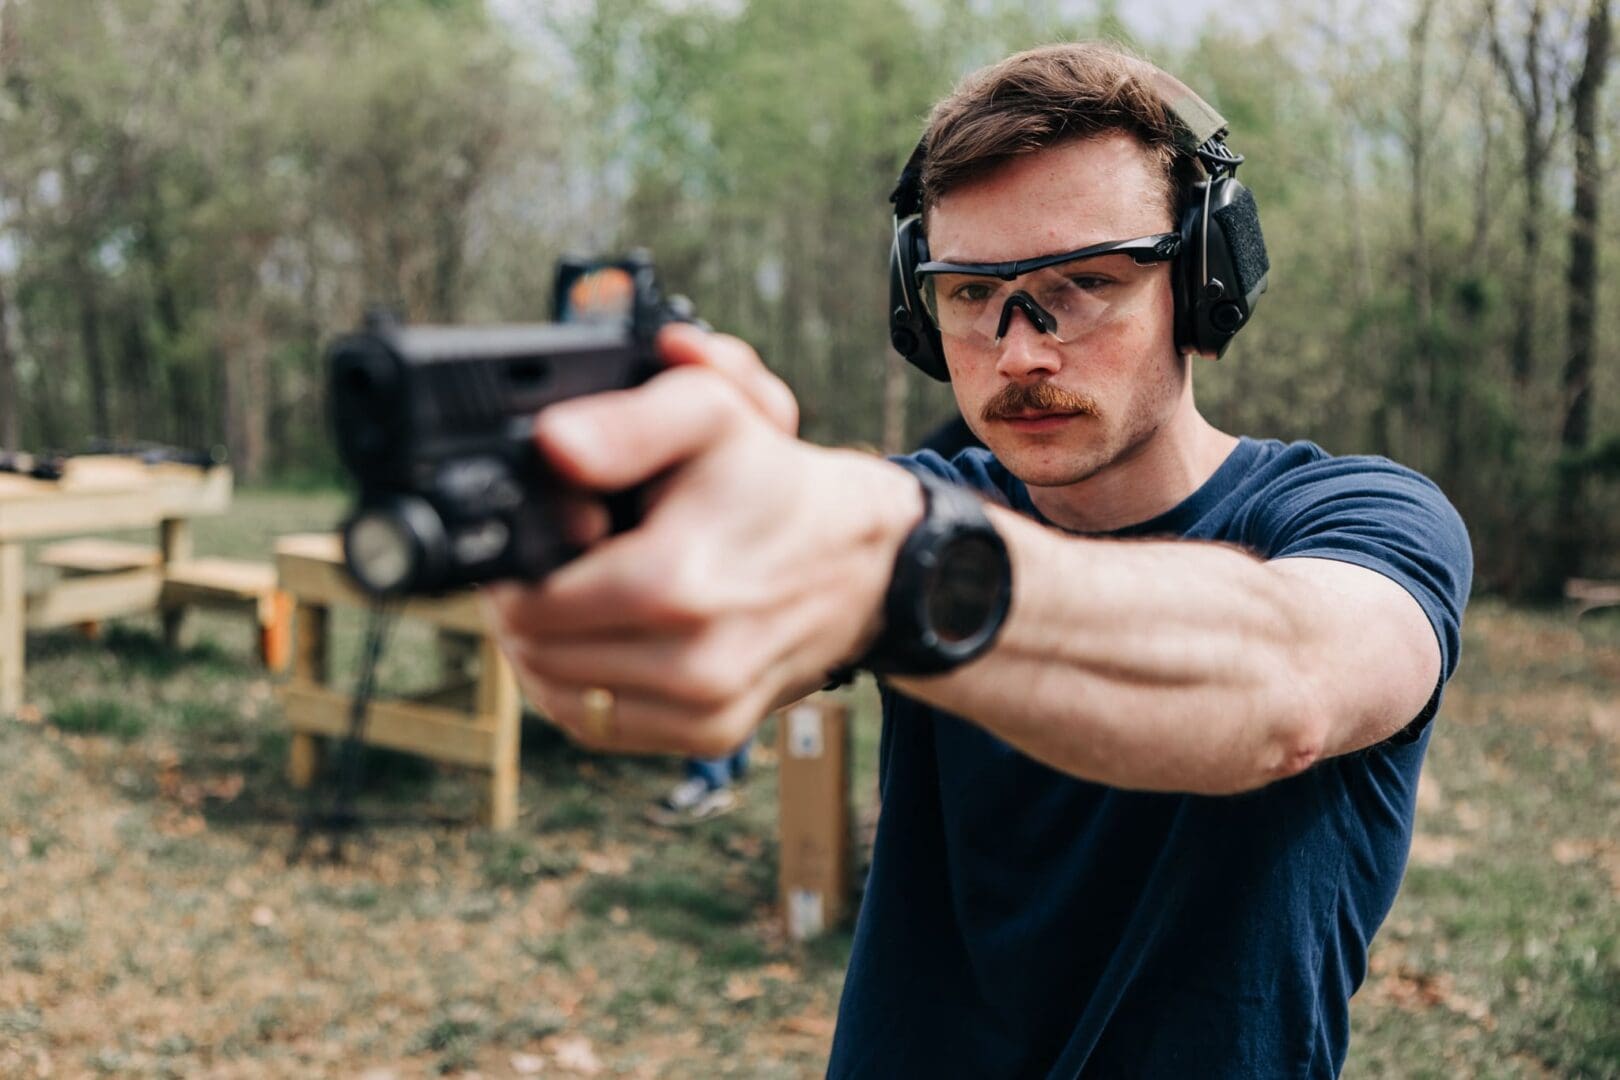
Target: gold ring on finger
(598, 703)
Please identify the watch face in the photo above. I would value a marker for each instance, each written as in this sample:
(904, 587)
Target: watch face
(965, 590)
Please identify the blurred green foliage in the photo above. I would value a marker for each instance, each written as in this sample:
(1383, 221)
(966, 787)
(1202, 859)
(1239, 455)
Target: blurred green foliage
(194, 196)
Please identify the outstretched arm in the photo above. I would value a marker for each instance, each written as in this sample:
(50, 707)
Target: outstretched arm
(762, 562)
(1190, 666)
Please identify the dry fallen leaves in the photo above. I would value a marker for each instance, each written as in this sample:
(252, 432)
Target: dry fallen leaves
(1567, 852)
(746, 846)
(1431, 850)
(1604, 852)
(182, 824)
(610, 863)
(528, 1064)
(224, 788)
(1469, 817)
(574, 1052)
(809, 1024)
(740, 988)
(1415, 991)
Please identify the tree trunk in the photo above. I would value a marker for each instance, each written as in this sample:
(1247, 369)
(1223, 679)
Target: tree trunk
(1424, 362)
(1484, 206)
(1524, 326)
(244, 349)
(1583, 280)
(10, 426)
(177, 417)
(897, 376)
(1531, 97)
(95, 359)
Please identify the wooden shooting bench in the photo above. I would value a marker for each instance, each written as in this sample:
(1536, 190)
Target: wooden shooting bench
(98, 494)
(235, 585)
(1590, 595)
(473, 719)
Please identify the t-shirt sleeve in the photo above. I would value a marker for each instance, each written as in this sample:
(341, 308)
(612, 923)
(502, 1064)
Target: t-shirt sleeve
(1380, 515)
(971, 467)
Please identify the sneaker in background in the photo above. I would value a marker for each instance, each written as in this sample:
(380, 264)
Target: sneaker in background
(691, 801)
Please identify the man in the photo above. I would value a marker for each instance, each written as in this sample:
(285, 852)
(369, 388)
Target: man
(1154, 708)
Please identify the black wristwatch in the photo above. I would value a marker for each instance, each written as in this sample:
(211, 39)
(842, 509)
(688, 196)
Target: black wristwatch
(950, 591)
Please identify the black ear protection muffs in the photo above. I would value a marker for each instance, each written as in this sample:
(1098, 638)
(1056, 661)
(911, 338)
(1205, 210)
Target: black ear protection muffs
(1218, 275)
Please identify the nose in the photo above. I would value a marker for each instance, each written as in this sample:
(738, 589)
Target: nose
(1027, 350)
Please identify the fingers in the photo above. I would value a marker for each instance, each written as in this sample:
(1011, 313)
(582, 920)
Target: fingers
(616, 589)
(615, 440)
(633, 723)
(682, 344)
(584, 519)
(695, 672)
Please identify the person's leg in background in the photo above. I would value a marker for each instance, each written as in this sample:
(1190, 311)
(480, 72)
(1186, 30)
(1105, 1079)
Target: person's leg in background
(707, 791)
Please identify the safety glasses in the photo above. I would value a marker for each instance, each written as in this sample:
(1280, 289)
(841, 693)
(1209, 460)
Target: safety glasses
(1066, 295)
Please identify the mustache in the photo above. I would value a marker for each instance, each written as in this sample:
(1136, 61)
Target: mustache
(1016, 399)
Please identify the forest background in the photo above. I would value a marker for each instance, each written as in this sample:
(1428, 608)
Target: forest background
(196, 194)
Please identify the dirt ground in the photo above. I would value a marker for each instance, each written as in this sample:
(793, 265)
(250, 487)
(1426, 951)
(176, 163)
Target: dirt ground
(154, 922)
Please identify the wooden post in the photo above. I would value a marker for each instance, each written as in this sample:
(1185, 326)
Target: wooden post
(12, 603)
(309, 669)
(177, 546)
(500, 707)
(813, 763)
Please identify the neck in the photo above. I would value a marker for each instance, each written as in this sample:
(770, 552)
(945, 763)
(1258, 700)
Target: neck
(1149, 478)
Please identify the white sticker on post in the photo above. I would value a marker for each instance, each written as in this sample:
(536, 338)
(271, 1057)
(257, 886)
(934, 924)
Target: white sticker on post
(804, 731)
(805, 919)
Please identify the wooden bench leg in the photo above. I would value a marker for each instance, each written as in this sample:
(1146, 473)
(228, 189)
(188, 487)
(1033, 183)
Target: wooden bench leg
(309, 663)
(175, 541)
(177, 629)
(499, 704)
(303, 760)
(11, 627)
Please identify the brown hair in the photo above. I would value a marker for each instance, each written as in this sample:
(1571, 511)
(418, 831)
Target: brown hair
(1043, 97)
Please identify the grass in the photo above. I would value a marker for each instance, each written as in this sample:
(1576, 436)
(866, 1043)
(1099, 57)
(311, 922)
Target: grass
(153, 924)
(1502, 955)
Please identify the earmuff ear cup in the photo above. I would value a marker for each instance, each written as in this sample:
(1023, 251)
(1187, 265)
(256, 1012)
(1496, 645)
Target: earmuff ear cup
(911, 331)
(1218, 285)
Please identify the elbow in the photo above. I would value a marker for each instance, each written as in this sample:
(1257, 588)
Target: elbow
(1296, 738)
(1292, 749)
(1288, 745)
(1295, 720)
(1282, 752)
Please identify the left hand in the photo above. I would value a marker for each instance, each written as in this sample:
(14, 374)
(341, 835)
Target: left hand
(759, 564)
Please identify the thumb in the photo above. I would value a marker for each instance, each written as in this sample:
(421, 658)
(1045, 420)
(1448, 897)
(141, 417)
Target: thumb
(681, 344)
(619, 439)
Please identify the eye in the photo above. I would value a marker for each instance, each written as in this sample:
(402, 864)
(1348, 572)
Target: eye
(1090, 282)
(971, 292)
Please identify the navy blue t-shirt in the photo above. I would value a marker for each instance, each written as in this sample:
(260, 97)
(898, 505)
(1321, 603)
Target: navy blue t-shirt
(1021, 922)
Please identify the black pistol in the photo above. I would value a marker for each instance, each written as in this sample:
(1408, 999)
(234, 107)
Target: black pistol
(436, 424)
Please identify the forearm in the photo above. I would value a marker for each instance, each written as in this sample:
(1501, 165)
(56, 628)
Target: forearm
(1149, 665)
